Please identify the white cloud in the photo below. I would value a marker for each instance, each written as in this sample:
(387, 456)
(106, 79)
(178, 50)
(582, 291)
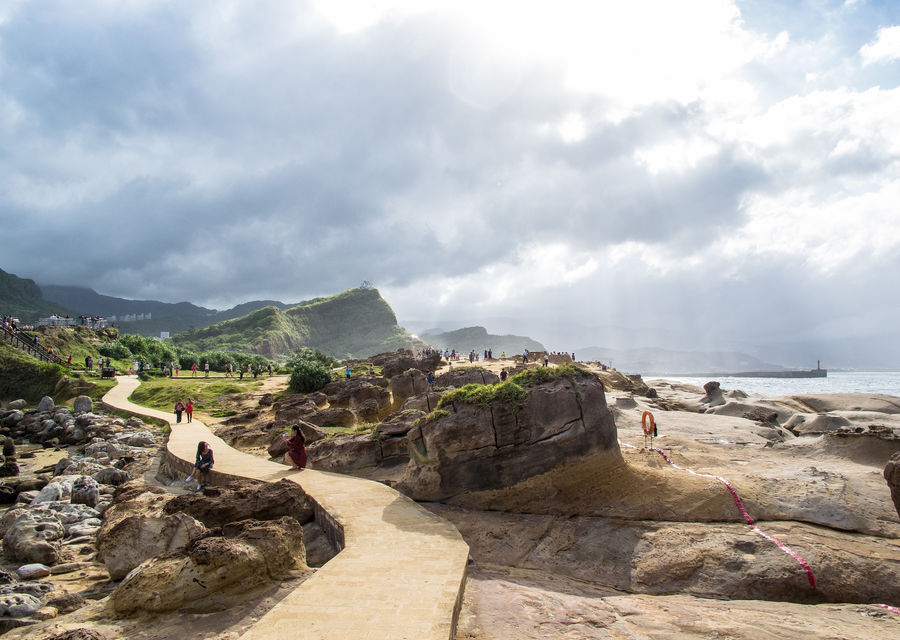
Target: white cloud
(885, 48)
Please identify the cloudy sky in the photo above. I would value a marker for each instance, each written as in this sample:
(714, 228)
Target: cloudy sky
(708, 172)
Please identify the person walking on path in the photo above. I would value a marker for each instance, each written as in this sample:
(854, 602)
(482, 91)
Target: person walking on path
(194, 370)
(189, 409)
(205, 369)
(546, 359)
(296, 453)
(202, 465)
(179, 407)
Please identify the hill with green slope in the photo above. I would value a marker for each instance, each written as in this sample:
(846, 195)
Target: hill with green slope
(354, 324)
(477, 338)
(23, 299)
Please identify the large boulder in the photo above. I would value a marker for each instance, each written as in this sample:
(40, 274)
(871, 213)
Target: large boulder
(467, 447)
(245, 500)
(714, 396)
(18, 605)
(333, 417)
(466, 375)
(17, 404)
(46, 404)
(82, 404)
(34, 536)
(396, 362)
(293, 408)
(345, 453)
(310, 432)
(892, 475)
(138, 537)
(85, 490)
(245, 555)
(410, 383)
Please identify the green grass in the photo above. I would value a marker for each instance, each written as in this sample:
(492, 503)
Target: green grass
(482, 395)
(548, 374)
(216, 397)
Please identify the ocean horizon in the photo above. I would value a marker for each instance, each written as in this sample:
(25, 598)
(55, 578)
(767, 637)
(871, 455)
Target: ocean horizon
(880, 382)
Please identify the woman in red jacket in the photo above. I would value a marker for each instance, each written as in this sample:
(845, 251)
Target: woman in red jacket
(189, 409)
(296, 455)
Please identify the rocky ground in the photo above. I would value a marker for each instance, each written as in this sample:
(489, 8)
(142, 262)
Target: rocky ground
(614, 542)
(576, 528)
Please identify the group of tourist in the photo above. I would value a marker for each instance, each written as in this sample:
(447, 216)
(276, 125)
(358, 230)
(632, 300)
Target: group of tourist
(184, 407)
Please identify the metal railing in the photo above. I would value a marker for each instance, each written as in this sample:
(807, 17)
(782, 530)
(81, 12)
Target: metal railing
(21, 340)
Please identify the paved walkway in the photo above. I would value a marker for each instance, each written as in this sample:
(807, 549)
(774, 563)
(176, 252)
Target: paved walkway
(401, 573)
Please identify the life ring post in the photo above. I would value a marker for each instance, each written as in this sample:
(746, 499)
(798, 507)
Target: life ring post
(648, 424)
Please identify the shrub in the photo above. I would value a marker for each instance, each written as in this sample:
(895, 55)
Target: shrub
(482, 395)
(308, 376)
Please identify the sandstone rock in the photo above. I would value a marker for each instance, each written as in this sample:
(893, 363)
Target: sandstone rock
(426, 402)
(12, 419)
(356, 392)
(141, 439)
(399, 424)
(45, 613)
(18, 605)
(46, 404)
(333, 416)
(17, 404)
(83, 404)
(714, 396)
(112, 476)
(247, 500)
(407, 384)
(6, 577)
(892, 475)
(8, 494)
(466, 375)
(66, 603)
(345, 453)
(475, 448)
(248, 554)
(807, 424)
(9, 469)
(293, 408)
(8, 517)
(53, 492)
(136, 538)
(34, 536)
(9, 448)
(85, 490)
(36, 589)
(33, 571)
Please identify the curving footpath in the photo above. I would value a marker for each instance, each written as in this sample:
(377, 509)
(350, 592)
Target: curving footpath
(401, 572)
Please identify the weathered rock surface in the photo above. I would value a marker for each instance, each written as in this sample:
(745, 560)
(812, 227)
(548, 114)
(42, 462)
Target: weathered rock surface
(406, 385)
(18, 605)
(82, 404)
(244, 555)
(218, 506)
(34, 536)
(476, 448)
(466, 375)
(892, 475)
(138, 537)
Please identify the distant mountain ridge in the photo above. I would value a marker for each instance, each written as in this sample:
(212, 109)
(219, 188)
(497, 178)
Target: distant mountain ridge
(479, 339)
(653, 361)
(23, 299)
(173, 317)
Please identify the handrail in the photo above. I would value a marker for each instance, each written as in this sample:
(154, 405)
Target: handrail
(19, 339)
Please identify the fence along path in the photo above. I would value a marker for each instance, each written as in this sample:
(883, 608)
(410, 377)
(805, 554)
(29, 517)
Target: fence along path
(401, 572)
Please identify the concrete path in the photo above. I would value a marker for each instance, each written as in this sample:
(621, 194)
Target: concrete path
(401, 573)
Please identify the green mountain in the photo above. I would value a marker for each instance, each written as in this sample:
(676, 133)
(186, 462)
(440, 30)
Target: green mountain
(23, 299)
(164, 316)
(354, 324)
(479, 339)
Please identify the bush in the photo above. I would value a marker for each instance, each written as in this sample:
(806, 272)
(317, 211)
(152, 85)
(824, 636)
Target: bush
(308, 376)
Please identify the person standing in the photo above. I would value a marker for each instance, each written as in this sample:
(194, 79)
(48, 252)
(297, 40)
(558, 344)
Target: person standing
(546, 359)
(189, 409)
(348, 372)
(194, 370)
(503, 375)
(205, 369)
(179, 407)
(296, 453)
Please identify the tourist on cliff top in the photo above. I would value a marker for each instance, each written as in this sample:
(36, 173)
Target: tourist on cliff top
(296, 453)
(202, 464)
(348, 372)
(179, 407)
(430, 378)
(189, 409)
(546, 359)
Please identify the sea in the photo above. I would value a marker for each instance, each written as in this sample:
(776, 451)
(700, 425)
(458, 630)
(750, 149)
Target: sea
(882, 382)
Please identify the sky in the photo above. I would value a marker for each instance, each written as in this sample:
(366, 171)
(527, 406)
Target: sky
(695, 174)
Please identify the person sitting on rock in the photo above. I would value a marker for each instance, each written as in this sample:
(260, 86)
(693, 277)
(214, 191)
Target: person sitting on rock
(202, 465)
(296, 453)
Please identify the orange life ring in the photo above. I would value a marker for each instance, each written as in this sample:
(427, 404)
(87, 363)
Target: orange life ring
(648, 429)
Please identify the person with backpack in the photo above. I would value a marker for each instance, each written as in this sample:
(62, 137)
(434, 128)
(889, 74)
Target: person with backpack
(179, 408)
